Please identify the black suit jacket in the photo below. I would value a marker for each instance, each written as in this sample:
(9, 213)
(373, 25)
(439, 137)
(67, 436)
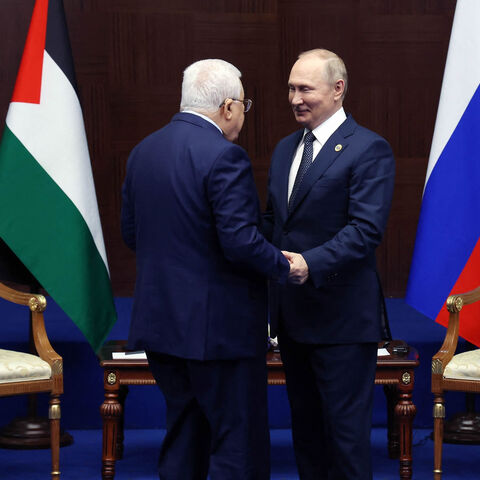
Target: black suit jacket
(336, 223)
(190, 211)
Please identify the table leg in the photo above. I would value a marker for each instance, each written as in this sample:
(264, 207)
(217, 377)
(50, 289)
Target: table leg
(111, 412)
(405, 411)
(120, 431)
(393, 436)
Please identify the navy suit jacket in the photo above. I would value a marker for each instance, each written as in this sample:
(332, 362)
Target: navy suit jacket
(337, 221)
(190, 211)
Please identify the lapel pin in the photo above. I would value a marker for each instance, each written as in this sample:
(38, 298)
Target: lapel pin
(338, 148)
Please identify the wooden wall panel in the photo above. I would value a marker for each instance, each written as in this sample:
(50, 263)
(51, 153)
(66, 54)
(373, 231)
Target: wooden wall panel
(129, 57)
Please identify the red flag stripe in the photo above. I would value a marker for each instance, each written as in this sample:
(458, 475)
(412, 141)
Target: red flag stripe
(29, 78)
(470, 315)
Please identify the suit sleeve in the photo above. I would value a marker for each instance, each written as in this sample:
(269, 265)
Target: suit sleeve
(128, 211)
(370, 196)
(268, 218)
(233, 197)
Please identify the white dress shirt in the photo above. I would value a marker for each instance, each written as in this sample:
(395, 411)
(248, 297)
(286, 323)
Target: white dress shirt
(202, 116)
(322, 133)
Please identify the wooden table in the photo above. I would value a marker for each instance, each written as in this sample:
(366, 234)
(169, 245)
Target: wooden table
(395, 372)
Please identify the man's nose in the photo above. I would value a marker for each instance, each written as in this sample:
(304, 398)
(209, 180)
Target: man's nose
(296, 98)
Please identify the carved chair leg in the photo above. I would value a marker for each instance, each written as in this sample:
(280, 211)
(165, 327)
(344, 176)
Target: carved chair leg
(54, 416)
(438, 420)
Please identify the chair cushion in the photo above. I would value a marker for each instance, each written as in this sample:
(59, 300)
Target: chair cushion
(21, 367)
(464, 366)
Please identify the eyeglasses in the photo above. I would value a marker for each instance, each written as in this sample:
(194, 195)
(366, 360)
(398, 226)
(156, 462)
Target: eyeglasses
(247, 103)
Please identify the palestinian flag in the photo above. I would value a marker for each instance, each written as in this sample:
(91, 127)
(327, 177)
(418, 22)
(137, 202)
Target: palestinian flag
(48, 207)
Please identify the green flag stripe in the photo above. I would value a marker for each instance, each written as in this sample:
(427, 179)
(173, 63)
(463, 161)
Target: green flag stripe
(47, 232)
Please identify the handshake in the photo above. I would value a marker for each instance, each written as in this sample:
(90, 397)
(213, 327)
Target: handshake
(298, 268)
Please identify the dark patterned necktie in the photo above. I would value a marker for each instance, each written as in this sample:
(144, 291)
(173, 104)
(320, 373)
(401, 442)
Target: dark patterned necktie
(307, 159)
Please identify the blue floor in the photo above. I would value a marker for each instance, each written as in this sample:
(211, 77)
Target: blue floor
(82, 460)
(83, 395)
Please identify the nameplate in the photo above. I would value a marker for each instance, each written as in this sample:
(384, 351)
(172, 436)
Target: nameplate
(137, 355)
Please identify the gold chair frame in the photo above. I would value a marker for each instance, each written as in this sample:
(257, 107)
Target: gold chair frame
(440, 360)
(54, 385)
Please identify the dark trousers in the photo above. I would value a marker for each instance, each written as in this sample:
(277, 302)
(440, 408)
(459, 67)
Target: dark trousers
(330, 390)
(217, 420)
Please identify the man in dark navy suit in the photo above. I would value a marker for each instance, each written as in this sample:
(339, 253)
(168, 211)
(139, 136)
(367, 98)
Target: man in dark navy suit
(329, 195)
(191, 212)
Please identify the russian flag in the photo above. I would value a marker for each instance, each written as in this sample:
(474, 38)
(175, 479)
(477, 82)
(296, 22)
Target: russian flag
(446, 257)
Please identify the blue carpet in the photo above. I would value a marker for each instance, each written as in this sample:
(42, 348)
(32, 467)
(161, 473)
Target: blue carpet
(82, 460)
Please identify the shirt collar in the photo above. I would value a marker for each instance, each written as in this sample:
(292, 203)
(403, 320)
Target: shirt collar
(204, 117)
(324, 130)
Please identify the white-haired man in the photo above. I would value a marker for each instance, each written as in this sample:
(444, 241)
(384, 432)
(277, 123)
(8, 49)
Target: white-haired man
(190, 211)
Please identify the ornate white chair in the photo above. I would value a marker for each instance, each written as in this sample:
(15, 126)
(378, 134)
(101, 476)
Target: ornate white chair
(459, 372)
(24, 373)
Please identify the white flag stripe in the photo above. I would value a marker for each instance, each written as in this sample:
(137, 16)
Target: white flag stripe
(461, 77)
(65, 155)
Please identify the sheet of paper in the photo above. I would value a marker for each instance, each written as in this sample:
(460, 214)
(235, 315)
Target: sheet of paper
(382, 352)
(140, 355)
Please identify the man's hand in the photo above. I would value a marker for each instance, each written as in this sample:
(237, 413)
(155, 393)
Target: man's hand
(298, 268)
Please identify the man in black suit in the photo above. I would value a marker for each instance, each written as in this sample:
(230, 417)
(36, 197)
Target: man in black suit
(329, 195)
(190, 211)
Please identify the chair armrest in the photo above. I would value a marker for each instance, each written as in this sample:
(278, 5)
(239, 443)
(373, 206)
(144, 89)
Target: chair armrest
(37, 304)
(34, 301)
(454, 304)
(42, 343)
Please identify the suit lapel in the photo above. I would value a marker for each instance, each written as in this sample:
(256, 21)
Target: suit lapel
(333, 148)
(285, 165)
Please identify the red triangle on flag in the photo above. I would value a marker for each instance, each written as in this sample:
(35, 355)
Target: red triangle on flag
(29, 78)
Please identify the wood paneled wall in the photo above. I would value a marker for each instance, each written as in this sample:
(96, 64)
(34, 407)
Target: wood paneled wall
(130, 54)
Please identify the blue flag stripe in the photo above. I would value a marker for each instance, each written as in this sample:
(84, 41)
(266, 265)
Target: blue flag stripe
(447, 231)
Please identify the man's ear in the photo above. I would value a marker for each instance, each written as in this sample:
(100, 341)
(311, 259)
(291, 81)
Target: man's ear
(339, 88)
(227, 109)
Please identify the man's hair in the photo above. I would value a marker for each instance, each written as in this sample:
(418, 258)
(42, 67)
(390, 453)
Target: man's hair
(334, 66)
(207, 83)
